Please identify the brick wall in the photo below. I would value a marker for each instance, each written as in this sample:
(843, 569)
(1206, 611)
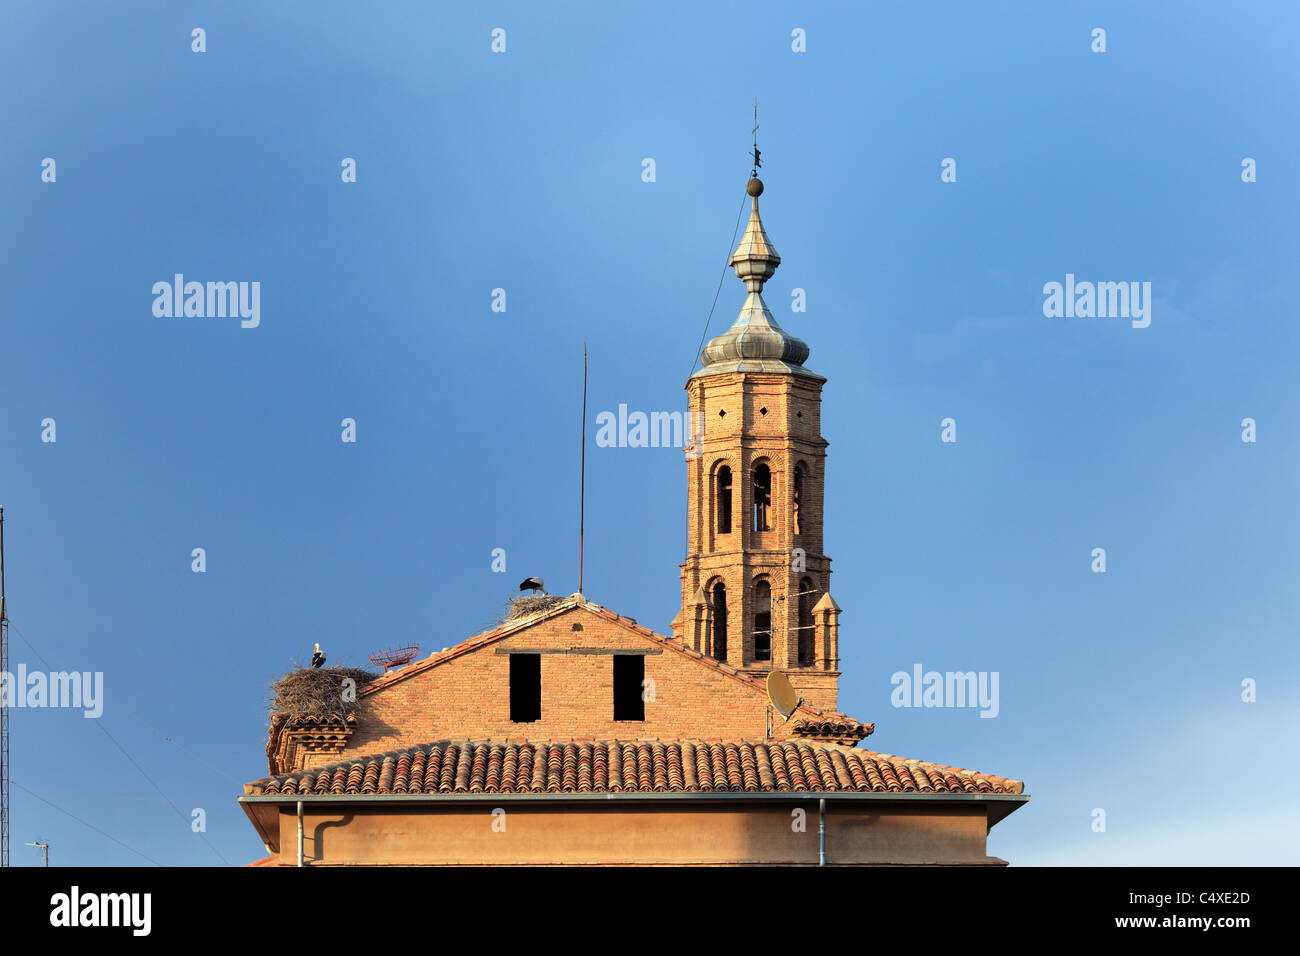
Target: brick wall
(469, 696)
(746, 419)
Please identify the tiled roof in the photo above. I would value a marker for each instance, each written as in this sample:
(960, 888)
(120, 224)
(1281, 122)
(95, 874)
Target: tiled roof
(835, 727)
(672, 766)
(322, 724)
(325, 732)
(852, 727)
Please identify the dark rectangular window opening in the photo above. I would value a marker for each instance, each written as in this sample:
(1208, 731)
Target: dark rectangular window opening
(762, 621)
(525, 688)
(629, 674)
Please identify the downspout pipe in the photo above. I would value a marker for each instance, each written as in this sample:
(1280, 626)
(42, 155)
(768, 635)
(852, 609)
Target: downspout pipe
(821, 832)
(300, 863)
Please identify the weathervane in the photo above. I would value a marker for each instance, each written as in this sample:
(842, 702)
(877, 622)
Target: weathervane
(757, 162)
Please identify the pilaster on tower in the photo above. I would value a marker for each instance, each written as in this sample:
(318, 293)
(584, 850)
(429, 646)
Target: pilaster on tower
(755, 582)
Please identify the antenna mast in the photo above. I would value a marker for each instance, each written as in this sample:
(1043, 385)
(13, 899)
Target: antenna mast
(4, 709)
(581, 506)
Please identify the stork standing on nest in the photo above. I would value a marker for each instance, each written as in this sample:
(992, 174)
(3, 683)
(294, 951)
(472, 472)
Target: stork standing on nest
(317, 657)
(535, 584)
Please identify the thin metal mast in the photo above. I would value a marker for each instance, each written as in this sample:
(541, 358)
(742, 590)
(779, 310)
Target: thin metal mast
(4, 709)
(582, 481)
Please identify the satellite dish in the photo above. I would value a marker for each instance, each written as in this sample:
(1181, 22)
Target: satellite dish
(782, 694)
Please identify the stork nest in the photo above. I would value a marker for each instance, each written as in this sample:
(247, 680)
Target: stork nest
(524, 605)
(317, 691)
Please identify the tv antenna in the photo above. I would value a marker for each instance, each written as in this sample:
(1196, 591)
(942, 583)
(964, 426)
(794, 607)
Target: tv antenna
(800, 628)
(396, 657)
(44, 848)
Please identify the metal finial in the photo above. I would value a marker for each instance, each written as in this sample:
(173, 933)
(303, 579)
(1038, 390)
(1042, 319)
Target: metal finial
(755, 342)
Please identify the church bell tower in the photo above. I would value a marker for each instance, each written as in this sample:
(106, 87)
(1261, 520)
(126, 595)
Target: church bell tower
(756, 582)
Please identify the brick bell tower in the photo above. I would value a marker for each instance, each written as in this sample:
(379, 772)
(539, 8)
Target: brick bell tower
(755, 582)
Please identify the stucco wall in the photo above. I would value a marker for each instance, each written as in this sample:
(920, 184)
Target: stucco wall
(642, 834)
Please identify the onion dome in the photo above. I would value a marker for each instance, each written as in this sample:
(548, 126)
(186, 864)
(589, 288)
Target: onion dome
(755, 343)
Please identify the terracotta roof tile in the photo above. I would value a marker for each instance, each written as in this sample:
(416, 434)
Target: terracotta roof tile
(837, 726)
(638, 766)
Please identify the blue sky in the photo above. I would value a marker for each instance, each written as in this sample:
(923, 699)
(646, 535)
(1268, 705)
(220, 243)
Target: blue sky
(522, 171)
